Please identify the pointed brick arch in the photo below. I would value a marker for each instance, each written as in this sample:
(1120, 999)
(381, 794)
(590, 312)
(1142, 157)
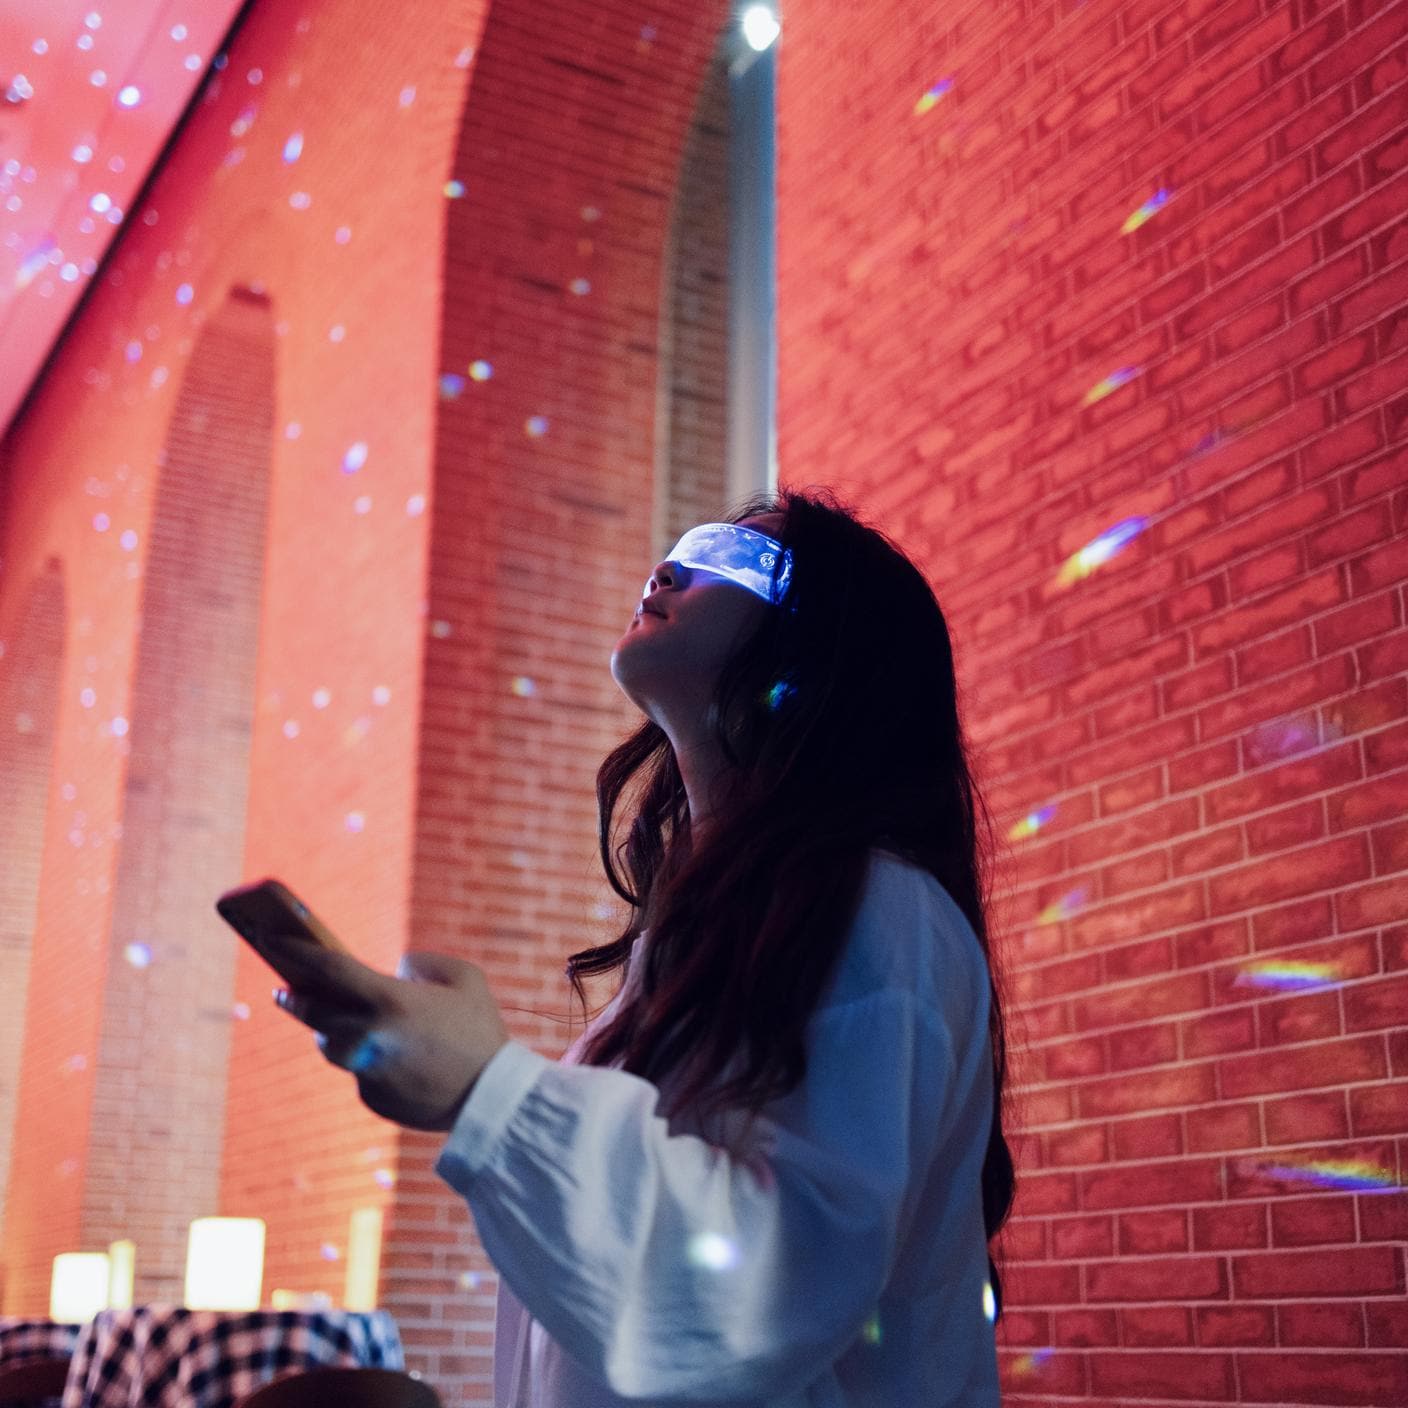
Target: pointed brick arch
(569, 153)
(159, 1095)
(158, 1084)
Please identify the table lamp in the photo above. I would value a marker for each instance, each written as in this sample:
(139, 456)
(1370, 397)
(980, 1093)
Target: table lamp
(282, 1299)
(363, 1259)
(78, 1289)
(122, 1267)
(225, 1263)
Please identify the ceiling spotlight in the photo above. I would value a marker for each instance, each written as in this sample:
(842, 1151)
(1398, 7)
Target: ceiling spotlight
(760, 27)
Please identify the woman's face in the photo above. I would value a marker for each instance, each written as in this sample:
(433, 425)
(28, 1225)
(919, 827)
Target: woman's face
(688, 624)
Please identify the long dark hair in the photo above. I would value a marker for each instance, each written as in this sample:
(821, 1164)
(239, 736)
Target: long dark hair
(839, 720)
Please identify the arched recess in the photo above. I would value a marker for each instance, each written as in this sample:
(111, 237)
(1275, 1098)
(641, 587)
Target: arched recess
(160, 1086)
(31, 668)
(692, 432)
(569, 153)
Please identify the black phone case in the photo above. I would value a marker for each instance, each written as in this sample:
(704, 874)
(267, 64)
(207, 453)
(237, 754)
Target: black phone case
(267, 907)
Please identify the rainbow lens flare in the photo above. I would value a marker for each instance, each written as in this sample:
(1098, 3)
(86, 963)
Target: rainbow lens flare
(1288, 975)
(1146, 212)
(1110, 384)
(932, 96)
(1353, 1175)
(1030, 1363)
(1100, 550)
(1031, 824)
(1065, 908)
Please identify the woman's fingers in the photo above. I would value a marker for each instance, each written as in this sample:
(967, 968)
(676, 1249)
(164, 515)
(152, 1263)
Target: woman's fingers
(319, 972)
(360, 1054)
(321, 1013)
(347, 1039)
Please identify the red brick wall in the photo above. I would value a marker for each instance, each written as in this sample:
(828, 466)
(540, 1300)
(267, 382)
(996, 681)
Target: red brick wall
(347, 245)
(1219, 715)
(433, 611)
(31, 664)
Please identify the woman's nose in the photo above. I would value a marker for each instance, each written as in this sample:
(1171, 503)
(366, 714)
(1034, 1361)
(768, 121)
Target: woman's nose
(663, 575)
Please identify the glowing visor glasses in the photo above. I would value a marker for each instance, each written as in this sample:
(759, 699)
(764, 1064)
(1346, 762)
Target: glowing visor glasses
(742, 555)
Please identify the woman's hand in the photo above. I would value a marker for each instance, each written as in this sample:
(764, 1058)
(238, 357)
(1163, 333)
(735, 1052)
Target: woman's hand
(416, 1042)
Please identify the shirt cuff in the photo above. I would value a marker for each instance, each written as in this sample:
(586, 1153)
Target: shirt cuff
(502, 1087)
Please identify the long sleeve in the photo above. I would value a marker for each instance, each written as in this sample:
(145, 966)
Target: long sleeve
(668, 1269)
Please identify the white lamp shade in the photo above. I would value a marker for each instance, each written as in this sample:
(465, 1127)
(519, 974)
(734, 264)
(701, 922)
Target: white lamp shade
(122, 1267)
(363, 1259)
(225, 1263)
(282, 1299)
(79, 1287)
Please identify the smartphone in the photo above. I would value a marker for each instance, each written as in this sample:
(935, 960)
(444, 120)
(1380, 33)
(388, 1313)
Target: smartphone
(270, 907)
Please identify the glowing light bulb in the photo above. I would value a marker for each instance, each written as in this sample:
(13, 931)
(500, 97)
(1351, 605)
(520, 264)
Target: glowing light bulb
(760, 27)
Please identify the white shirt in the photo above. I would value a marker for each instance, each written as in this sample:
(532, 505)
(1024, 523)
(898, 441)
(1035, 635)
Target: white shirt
(842, 1265)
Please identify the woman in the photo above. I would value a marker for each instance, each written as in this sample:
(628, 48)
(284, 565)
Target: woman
(769, 1171)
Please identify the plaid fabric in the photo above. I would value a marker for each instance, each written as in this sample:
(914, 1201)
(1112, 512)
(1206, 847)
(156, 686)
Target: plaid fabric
(164, 1356)
(24, 1340)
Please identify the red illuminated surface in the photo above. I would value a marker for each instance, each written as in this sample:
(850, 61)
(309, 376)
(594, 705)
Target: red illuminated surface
(89, 94)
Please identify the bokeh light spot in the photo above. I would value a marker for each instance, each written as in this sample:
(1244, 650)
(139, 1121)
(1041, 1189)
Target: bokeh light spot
(709, 1249)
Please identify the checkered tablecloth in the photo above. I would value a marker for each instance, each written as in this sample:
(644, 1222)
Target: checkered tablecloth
(22, 1341)
(164, 1356)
